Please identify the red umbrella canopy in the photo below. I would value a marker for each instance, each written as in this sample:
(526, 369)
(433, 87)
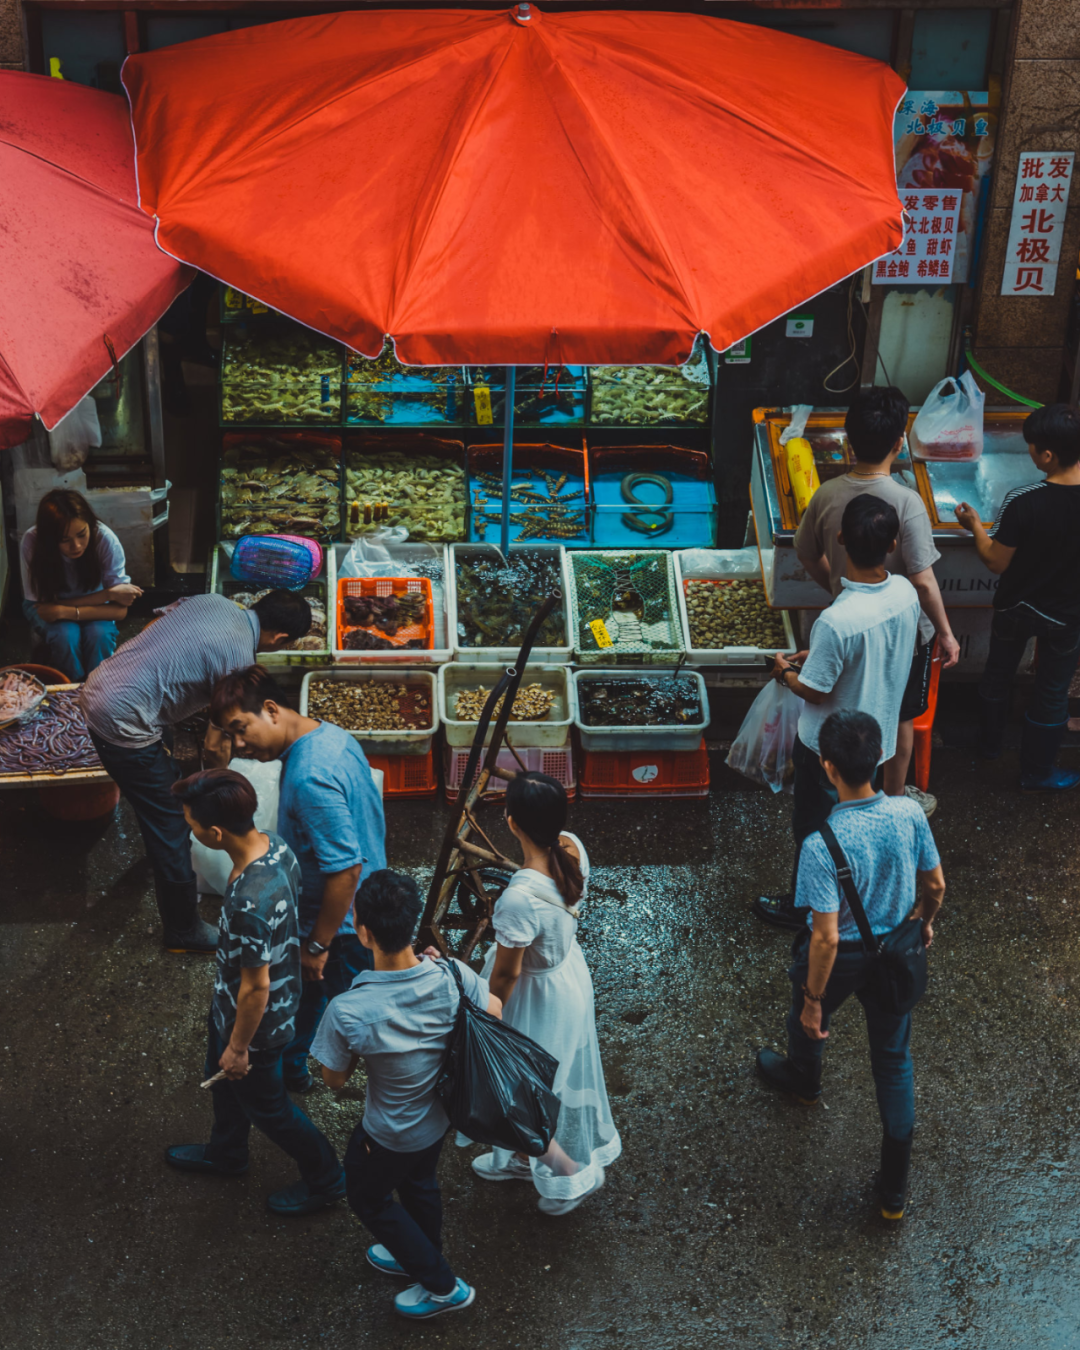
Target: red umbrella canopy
(77, 256)
(588, 187)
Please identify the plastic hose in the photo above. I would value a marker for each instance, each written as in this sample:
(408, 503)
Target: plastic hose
(1027, 402)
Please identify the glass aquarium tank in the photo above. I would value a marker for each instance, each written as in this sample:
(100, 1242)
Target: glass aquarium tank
(383, 392)
(543, 395)
(659, 496)
(652, 396)
(277, 372)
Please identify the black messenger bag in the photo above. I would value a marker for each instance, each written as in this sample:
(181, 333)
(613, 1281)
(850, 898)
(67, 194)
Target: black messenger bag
(900, 968)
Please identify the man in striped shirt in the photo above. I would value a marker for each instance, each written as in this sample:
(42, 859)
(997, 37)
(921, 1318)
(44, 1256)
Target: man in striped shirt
(149, 684)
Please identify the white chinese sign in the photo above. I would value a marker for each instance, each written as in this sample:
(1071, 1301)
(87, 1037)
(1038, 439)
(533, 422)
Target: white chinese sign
(1038, 222)
(928, 249)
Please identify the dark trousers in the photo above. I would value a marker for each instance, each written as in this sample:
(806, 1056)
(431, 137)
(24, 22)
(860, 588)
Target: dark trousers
(1059, 652)
(145, 777)
(345, 959)
(410, 1228)
(814, 798)
(260, 1099)
(890, 1050)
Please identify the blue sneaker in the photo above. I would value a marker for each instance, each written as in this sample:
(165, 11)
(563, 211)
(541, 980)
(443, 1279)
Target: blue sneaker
(416, 1303)
(381, 1259)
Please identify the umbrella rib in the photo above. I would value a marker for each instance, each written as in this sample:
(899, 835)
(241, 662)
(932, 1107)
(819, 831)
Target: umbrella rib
(77, 177)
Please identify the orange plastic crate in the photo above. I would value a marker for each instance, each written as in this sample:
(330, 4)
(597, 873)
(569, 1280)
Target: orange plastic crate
(644, 773)
(556, 763)
(383, 586)
(407, 775)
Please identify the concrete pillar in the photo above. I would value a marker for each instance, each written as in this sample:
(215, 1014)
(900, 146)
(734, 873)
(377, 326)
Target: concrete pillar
(11, 37)
(1020, 340)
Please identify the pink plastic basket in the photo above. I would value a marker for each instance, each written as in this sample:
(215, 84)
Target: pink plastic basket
(558, 764)
(313, 547)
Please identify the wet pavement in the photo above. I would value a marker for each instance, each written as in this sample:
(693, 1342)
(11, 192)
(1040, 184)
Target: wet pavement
(734, 1218)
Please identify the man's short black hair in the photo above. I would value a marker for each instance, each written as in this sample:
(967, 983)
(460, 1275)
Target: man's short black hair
(869, 526)
(388, 904)
(1055, 427)
(284, 612)
(851, 741)
(219, 797)
(246, 689)
(875, 422)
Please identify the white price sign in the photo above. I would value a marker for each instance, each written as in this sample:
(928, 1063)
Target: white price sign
(931, 226)
(1038, 222)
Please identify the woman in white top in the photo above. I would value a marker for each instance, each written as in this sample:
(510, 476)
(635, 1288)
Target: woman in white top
(75, 586)
(538, 971)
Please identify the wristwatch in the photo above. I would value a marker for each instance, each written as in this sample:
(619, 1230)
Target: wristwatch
(316, 948)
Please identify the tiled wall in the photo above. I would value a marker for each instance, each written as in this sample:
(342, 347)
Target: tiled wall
(11, 43)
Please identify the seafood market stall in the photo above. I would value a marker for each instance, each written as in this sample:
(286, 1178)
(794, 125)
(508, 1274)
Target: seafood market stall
(43, 738)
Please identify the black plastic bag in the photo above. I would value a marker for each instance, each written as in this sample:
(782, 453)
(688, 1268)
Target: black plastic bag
(496, 1084)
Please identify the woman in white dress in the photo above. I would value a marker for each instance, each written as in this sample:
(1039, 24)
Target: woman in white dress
(538, 970)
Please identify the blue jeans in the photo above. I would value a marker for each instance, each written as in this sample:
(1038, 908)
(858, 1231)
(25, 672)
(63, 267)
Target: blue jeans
(1059, 652)
(890, 1047)
(74, 648)
(346, 958)
(260, 1099)
(410, 1228)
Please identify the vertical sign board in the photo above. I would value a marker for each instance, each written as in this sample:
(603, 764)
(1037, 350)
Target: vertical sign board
(1038, 222)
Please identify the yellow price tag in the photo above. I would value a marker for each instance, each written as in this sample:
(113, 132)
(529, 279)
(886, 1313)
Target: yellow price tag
(482, 400)
(233, 299)
(600, 633)
(256, 308)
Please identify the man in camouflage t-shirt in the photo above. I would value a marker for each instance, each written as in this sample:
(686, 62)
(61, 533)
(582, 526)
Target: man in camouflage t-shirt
(256, 994)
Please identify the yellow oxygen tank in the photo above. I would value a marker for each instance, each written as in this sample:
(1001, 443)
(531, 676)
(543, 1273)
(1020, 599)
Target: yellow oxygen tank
(802, 471)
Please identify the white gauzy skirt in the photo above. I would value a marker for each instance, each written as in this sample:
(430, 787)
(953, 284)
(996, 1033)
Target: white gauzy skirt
(555, 1007)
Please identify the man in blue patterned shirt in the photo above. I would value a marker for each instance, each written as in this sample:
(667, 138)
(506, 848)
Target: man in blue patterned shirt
(897, 873)
(256, 995)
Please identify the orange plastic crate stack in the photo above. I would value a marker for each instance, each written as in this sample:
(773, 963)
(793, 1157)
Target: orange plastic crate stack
(407, 775)
(644, 773)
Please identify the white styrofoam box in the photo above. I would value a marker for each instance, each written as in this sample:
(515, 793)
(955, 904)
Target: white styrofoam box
(553, 731)
(718, 564)
(383, 742)
(220, 581)
(402, 554)
(504, 656)
(685, 737)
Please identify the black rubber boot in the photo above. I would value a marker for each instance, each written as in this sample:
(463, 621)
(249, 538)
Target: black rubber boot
(892, 1180)
(779, 1072)
(178, 905)
(1038, 749)
(993, 719)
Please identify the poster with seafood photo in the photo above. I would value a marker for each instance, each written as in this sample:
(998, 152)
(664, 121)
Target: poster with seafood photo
(944, 142)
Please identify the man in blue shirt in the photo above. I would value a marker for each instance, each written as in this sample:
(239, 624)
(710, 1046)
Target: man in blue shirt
(897, 872)
(331, 816)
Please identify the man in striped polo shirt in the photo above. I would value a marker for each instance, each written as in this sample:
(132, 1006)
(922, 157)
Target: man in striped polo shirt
(157, 679)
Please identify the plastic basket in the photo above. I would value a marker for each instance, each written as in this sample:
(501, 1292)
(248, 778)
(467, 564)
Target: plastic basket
(271, 560)
(403, 557)
(384, 742)
(556, 763)
(718, 566)
(407, 775)
(645, 773)
(683, 737)
(552, 732)
(597, 578)
(421, 633)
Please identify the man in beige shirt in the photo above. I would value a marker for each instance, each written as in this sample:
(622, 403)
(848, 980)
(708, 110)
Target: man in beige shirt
(875, 426)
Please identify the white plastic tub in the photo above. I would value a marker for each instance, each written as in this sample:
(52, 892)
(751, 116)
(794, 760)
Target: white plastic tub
(717, 564)
(686, 736)
(222, 582)
(403, 554)
(504, 656)
(384, 742)
(552, 732)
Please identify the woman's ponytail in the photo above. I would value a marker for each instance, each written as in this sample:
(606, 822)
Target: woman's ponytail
(538, 807)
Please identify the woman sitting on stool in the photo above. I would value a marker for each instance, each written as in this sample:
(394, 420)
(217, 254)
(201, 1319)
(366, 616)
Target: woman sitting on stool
(75, 587)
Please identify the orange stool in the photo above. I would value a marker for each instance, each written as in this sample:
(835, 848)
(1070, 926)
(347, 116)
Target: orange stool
(924, 726)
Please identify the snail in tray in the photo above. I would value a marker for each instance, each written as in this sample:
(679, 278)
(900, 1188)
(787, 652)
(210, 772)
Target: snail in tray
(732, 614)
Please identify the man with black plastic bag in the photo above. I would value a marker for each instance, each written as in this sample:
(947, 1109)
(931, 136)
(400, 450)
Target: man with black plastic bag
(399, 1018)
(895, 872)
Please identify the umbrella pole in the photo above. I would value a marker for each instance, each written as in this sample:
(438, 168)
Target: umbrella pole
(508, 459)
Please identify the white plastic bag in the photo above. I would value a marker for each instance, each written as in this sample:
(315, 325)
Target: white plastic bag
(75, 435)
(369, 556)
(762, 749)
(949, 426)
(213, 865)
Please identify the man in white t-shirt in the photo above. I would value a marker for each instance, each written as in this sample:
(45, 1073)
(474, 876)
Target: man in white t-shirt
(859, 659)
(398, 1019)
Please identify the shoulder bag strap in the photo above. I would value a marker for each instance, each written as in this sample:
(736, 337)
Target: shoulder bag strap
(847, 885)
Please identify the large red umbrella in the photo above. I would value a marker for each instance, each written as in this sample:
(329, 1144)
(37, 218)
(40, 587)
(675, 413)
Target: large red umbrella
(516, 187)
(80, 278)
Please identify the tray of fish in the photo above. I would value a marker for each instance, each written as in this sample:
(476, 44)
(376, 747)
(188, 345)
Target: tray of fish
(635, 710)
(20, 695)
(424, 492)
(549, 494)
(52, 740)
(492, 601)
(725, 617)
(624, 608)
(651, 396)
(389, 712)
(284, 483)
(381, 614)
(401, 560)
(541, 715)
(277, 373)
(543, 395)
(383, 392)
